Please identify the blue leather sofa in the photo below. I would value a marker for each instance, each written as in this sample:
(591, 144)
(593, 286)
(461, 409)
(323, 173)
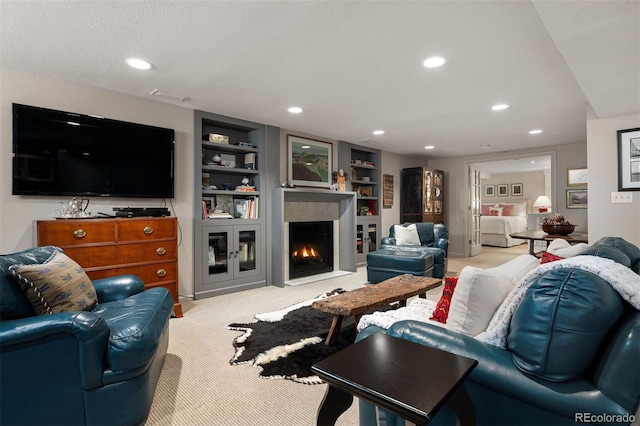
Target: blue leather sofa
(428, 259)
(97, 367)
(573, 349)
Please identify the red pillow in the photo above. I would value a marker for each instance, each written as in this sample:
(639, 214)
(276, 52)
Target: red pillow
(549, 257)
(441, 312)
(485, 209)
(507, 209)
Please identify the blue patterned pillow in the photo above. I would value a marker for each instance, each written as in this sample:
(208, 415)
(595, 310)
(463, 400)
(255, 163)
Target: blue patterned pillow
(57, 285)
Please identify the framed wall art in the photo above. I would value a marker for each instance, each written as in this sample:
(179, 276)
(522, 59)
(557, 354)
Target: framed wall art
(503, 190)
(629, 160)
(577, 199)
(489, 190)
(577, 176)
(516, 190)
(309, 162)
(387, 191)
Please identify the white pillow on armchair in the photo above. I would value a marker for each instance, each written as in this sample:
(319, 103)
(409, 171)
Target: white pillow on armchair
(406, 236)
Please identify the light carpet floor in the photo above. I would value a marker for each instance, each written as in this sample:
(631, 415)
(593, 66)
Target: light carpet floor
(198, 386)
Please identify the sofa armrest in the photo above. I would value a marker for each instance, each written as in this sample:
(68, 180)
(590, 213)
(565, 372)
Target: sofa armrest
(497, 372)
(388, 241)
(117, 288)
(441, 243)
(73, 343)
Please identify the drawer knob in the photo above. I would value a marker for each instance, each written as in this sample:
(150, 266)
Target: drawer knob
(161, 272)
(161, 251)
(147, 230)
(79, 233)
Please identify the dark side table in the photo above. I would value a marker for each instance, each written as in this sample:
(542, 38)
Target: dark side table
(408, 379)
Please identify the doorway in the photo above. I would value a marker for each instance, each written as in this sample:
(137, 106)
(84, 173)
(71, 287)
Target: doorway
(506, 180)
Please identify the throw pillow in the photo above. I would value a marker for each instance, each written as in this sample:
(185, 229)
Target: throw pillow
(549, 257)
(485, 208)
(57, 285)
(516, 269)
(477, 296)
(441, 312)
(495, 211)
(507, 209)
(406, 236)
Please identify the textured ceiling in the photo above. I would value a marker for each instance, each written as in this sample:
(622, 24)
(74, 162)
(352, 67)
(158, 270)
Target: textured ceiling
(354, 66)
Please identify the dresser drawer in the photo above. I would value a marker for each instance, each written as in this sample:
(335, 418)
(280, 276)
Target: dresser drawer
(155, 272)
(136, 230)
(72, 232)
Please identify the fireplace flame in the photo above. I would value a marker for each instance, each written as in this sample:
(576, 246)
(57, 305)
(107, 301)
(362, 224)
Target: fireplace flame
(306, 253)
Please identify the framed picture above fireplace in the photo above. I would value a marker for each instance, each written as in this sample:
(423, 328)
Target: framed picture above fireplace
(309, 162)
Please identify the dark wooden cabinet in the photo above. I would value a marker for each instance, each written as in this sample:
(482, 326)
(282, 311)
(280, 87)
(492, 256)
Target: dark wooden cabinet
(422, 195)
(146, 247)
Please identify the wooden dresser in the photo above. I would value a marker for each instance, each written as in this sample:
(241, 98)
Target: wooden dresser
(146, 247)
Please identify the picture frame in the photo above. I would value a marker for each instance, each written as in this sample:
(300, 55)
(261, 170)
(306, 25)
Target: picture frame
(503, 190)
(489, 190)
(387, 191)
(576, 177)
(516, 189)
(629, 160)
(577, 199)
(310, 162)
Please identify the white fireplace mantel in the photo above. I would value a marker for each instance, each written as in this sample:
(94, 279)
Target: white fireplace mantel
(313, 199)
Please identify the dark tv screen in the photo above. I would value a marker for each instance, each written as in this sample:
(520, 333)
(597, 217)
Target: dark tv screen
(64, 153)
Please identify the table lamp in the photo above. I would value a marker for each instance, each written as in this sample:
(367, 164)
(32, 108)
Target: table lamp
(542, 203)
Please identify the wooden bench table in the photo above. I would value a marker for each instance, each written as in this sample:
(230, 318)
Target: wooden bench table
(356, 302)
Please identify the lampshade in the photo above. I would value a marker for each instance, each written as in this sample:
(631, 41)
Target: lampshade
(543, 203)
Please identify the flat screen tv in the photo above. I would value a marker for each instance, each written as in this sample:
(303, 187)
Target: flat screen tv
(64, 153)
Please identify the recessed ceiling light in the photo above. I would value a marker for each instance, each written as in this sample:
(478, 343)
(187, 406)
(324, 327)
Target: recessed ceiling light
(499, 107)
(434, 62)
(429, 147)
(535, 132)
(378, 132)
(138, 63)
(295, 110)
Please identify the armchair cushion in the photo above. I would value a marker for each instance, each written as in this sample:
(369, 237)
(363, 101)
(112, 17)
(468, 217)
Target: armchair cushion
(57, 285)
(562, 310)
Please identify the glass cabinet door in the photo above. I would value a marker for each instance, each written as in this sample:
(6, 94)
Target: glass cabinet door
(360, 239)
(246, 253)
(217, 246)
(372, 236)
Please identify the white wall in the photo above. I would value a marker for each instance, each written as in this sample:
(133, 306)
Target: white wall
(532, 185)
(605, 218)
(17, 213)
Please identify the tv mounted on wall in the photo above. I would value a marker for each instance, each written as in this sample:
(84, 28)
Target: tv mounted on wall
(64, 153)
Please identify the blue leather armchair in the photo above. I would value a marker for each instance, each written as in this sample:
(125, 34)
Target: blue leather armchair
(590, 367)
(86, 367)
(434, 239)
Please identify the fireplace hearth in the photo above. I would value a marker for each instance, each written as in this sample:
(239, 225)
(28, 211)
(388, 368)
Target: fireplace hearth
(311, 248)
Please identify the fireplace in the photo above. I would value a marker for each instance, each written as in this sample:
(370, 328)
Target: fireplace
(310, 248)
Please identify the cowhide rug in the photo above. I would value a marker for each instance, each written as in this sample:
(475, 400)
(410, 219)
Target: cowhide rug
(285, 344)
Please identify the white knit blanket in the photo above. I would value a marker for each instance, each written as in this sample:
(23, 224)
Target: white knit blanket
(622, 279)
(418, 309)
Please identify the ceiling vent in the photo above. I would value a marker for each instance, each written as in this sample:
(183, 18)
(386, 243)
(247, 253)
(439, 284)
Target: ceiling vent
(169, 95)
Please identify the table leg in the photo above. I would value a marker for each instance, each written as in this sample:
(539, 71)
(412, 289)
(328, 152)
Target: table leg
(461, 403)
(532, 251)
(334, 330)
(334, 403)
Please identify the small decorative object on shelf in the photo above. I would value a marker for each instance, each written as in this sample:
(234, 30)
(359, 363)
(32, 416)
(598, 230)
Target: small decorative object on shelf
(216, 138)
(340, 177)
(556, 224)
